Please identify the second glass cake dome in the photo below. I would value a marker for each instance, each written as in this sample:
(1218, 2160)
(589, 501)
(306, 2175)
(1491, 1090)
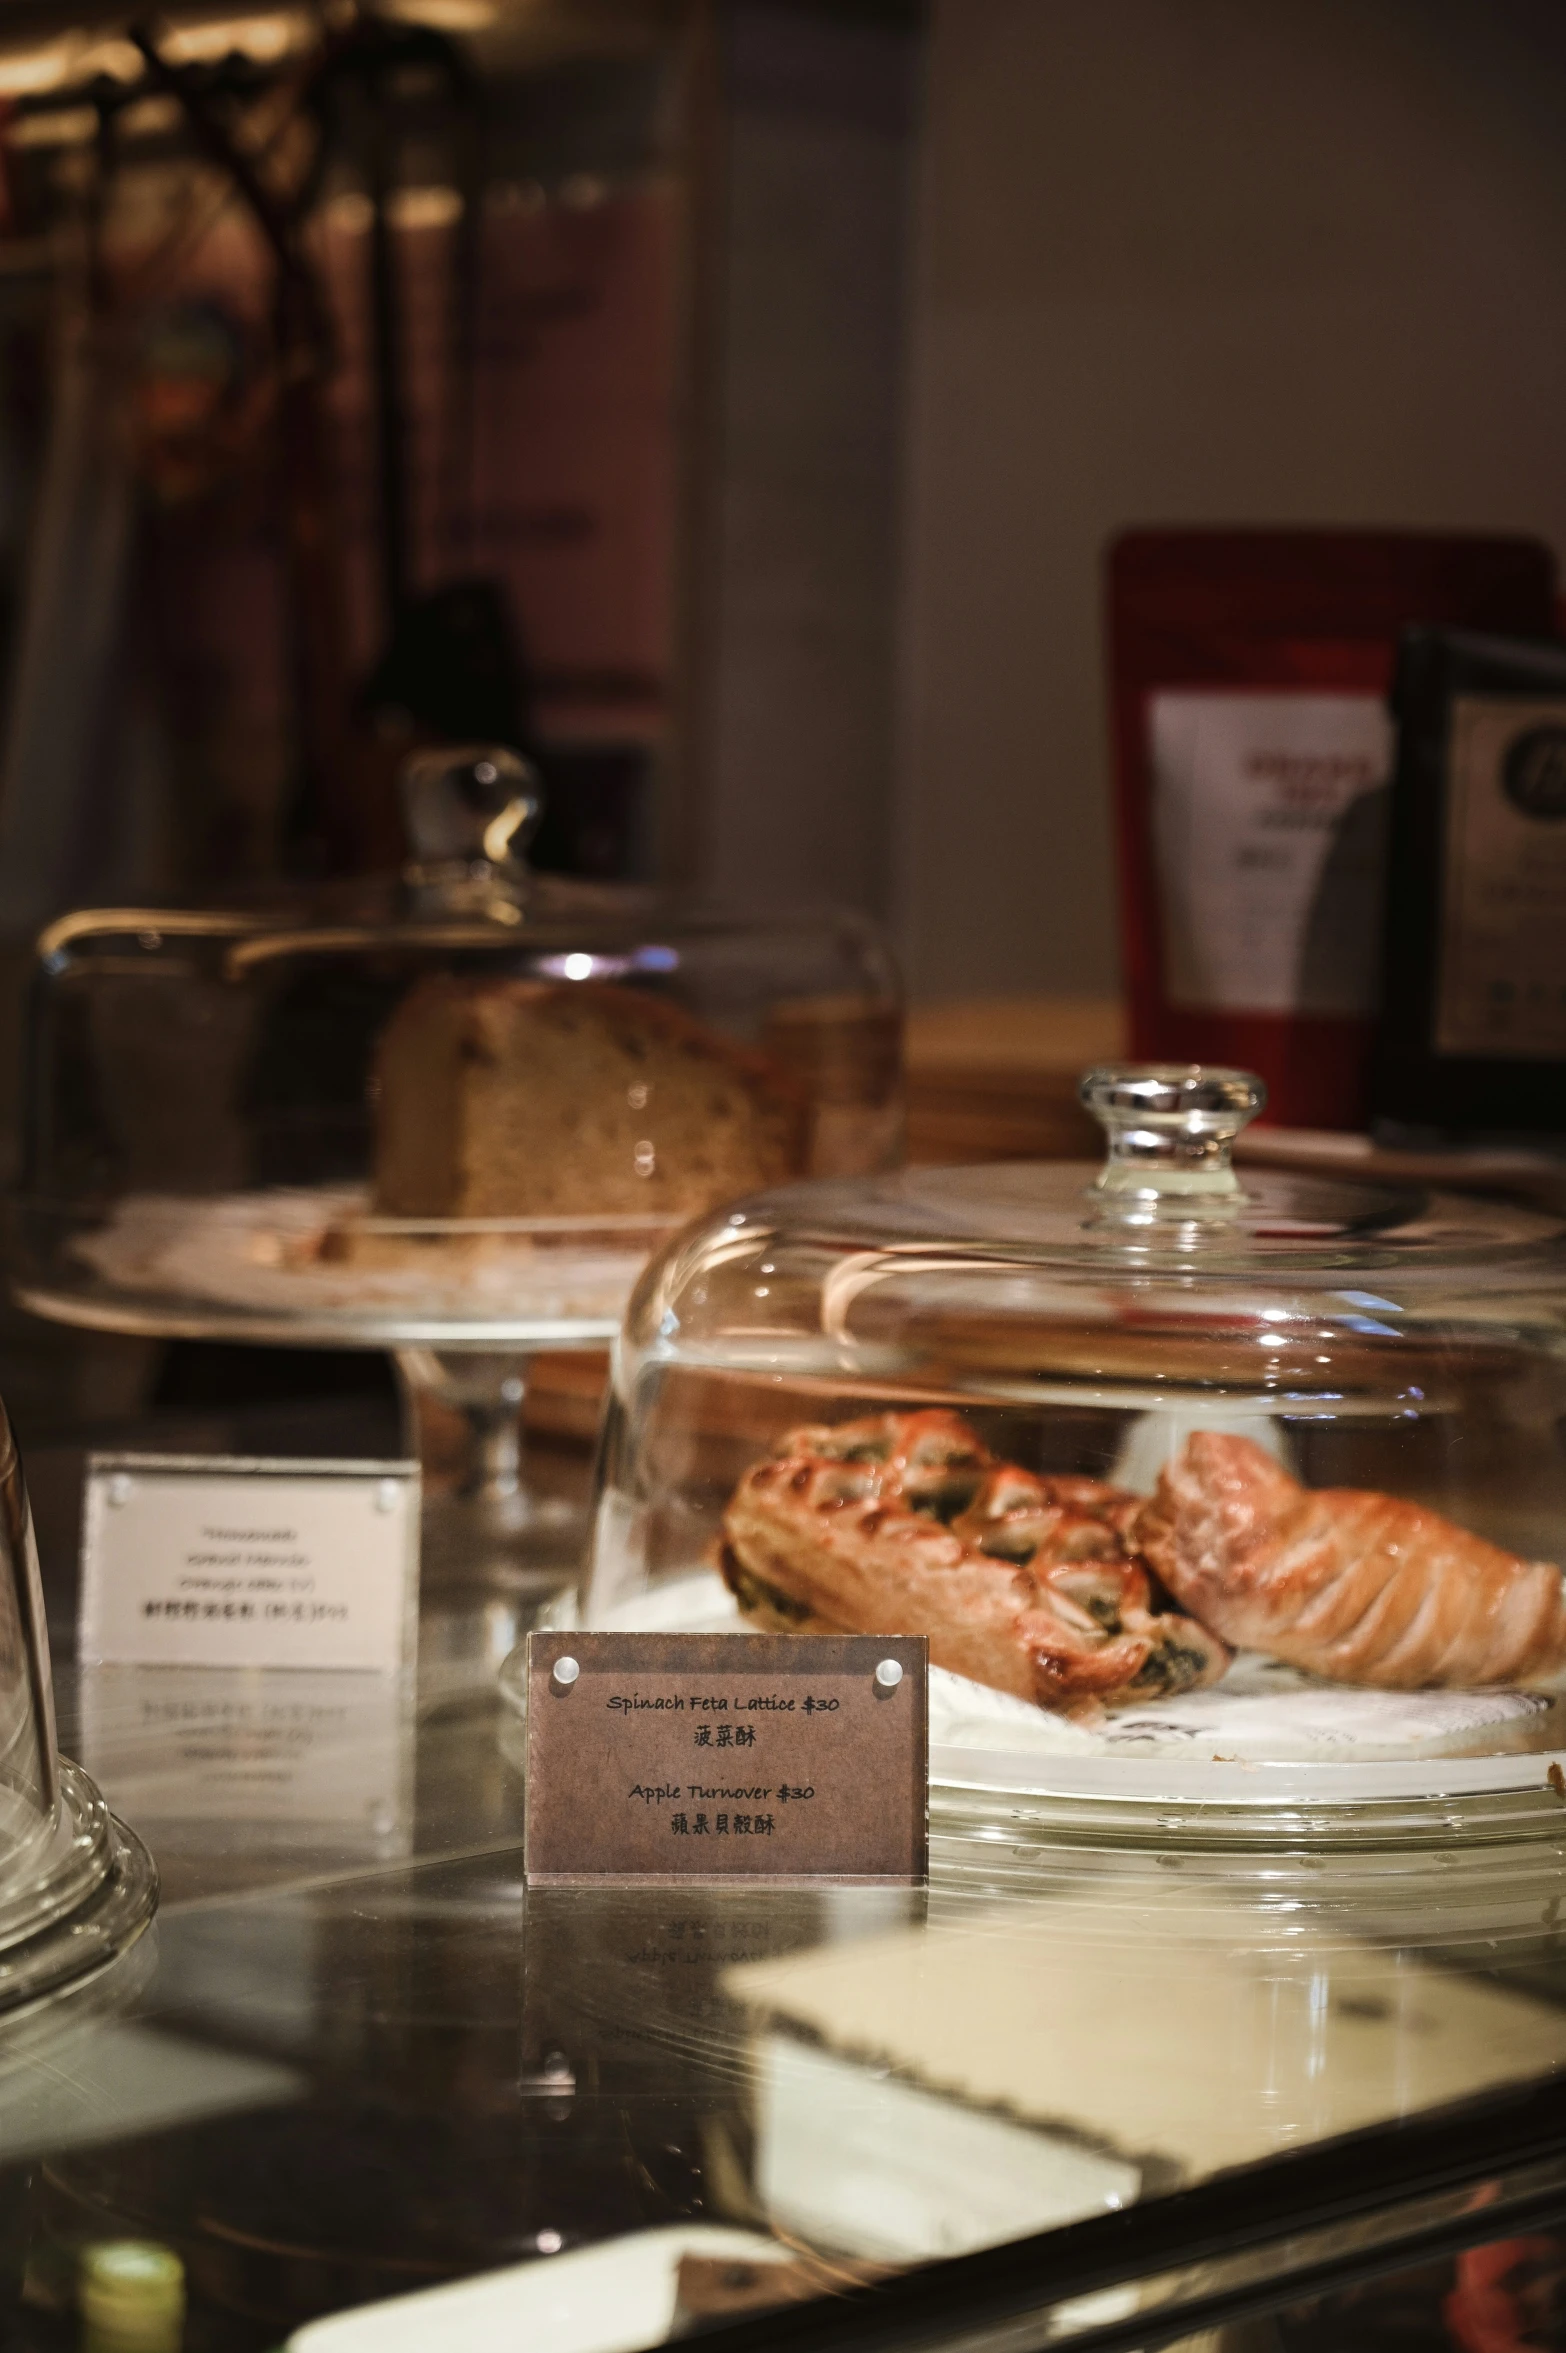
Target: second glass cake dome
(456, 1106)
(1206, 1494)
(448, 1112)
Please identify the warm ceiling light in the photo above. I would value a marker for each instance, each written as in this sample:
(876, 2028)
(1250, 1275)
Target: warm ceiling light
(262, 38)
(424, 208)
(444, 16)
(114, 61)
(24, 73)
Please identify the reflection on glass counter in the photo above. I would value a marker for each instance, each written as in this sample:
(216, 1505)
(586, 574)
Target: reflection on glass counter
(1061, 2087)
(253, 1759)
(1236, 2034)
(638, 2291)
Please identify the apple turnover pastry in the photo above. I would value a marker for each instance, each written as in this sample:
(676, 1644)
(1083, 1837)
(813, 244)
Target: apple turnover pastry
(1343, 1582)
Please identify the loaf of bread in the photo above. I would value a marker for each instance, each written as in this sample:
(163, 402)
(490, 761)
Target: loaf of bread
(521, 1098)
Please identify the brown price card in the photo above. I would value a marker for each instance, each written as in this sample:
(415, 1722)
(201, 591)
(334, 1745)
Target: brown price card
(718, 1756)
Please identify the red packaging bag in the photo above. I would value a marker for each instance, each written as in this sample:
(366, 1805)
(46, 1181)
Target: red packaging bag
(1253, 756)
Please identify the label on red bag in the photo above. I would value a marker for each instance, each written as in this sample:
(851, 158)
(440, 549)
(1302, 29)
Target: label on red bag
(1502, 987)
(1270, 814)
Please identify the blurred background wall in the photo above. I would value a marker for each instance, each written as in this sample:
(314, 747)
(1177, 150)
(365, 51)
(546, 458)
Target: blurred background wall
(1204, 262)
(801, 458)
(924, 304)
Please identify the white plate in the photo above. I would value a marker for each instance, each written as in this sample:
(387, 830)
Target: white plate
(247, 1266)
(1264, 1737)
(607, 2299)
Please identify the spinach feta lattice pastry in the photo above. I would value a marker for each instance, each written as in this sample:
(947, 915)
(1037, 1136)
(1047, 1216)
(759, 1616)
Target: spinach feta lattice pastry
(905, 1524)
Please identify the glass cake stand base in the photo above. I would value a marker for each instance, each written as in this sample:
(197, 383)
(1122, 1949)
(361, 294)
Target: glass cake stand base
(497, 1544)
(86, 1901)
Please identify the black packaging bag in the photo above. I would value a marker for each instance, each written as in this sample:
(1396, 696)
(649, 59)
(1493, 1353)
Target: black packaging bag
(1472, 1038)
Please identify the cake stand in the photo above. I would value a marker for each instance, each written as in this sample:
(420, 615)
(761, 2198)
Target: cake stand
(461, 1306)
(210, 1109)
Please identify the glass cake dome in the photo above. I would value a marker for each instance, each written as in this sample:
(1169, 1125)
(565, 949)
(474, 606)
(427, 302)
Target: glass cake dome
(448, 1112)
(76, 1887)
(1211, 1496)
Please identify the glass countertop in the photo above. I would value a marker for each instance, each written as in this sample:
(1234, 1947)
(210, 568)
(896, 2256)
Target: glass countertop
(1064, 2095)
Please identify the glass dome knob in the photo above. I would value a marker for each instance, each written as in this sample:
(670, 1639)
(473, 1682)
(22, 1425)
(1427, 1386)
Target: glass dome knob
(470, 801)
(1170, 1128)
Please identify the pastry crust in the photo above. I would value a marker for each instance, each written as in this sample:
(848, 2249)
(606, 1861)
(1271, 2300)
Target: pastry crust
(1362, 1587)
(906, 1524)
